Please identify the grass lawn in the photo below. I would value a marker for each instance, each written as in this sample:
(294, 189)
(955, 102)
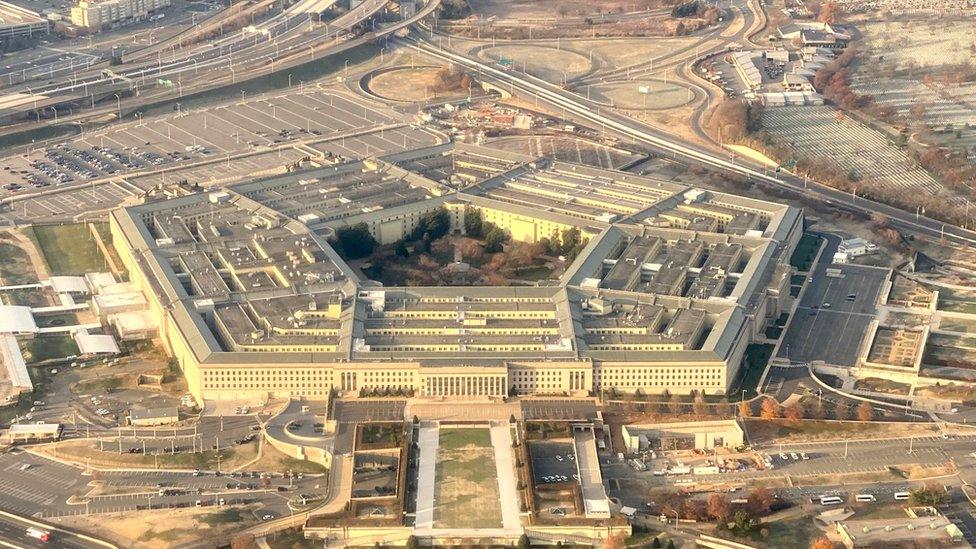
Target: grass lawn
(806, 251)
(381, 436)
(466, 489)
(67, 249)
(26, 297)
(292, 538)
(956, 306)
(538, 272)
(958, 325)
(55, 320)
(541, 430)
(15, 267)
(273, 459)
(789, 533)
(46, 347)
(229, 515)
(454, 439)
(753, 366)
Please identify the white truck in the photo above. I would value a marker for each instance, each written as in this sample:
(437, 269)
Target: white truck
(38, 534)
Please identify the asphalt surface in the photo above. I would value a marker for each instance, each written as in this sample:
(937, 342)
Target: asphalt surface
(827, 324)
(558, 409)
(552, 459)
(44, 487)
(13, 531)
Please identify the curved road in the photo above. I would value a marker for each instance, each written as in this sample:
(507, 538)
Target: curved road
(614, 124)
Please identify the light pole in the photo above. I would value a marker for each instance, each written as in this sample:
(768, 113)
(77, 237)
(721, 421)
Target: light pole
(118, 102)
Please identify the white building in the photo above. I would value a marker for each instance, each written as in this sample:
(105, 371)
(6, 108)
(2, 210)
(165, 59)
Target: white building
(856, 247)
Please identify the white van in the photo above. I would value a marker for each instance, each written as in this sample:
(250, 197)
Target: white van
(901, 496)
(831, 500)
(865, 498)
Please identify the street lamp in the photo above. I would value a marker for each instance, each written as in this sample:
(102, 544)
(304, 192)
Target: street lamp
(118, 102)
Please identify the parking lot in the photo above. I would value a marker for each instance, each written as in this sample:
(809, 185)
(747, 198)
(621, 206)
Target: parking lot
(829, 324)
(42, 486)
(369, 411)
(66, 204)
(192, 135)
(558, 409)
(216, 145)
(552, 461)
(823, 459)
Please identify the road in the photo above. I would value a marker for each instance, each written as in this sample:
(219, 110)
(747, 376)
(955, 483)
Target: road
(13, 533)
(613, 124)
(284, 40)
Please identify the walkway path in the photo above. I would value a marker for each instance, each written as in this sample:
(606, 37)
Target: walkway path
(428, 440)
(501, 441)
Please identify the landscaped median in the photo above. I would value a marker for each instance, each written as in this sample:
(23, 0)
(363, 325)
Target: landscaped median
(86, 453)
(775, 431)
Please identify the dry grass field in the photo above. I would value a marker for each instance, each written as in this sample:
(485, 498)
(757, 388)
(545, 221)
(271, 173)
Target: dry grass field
(412, 85)
(548, 63)
(467, 483)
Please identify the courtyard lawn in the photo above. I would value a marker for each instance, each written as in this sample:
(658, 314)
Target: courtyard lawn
(753, 366)
(15, 266)
(806, 251)
(467, 483)
(67, 249)
(47, 347)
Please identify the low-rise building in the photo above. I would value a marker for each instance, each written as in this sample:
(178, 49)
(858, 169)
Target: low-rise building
(899, 533)
(683, 435)
(151, 417)
(33, 432)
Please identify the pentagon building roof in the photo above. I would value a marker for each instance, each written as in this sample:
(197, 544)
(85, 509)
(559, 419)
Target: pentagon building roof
(247, 275)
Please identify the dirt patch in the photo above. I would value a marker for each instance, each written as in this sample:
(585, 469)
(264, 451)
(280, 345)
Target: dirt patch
(842, 479)
(629, 95)
(273, 459)
(918, 472)
(163, 529)
(413, 85)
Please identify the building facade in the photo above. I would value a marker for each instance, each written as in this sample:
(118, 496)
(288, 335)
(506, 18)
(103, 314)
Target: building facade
(97, 15)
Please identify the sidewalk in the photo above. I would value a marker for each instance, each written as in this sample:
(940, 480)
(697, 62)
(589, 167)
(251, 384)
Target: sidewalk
(501, 441)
